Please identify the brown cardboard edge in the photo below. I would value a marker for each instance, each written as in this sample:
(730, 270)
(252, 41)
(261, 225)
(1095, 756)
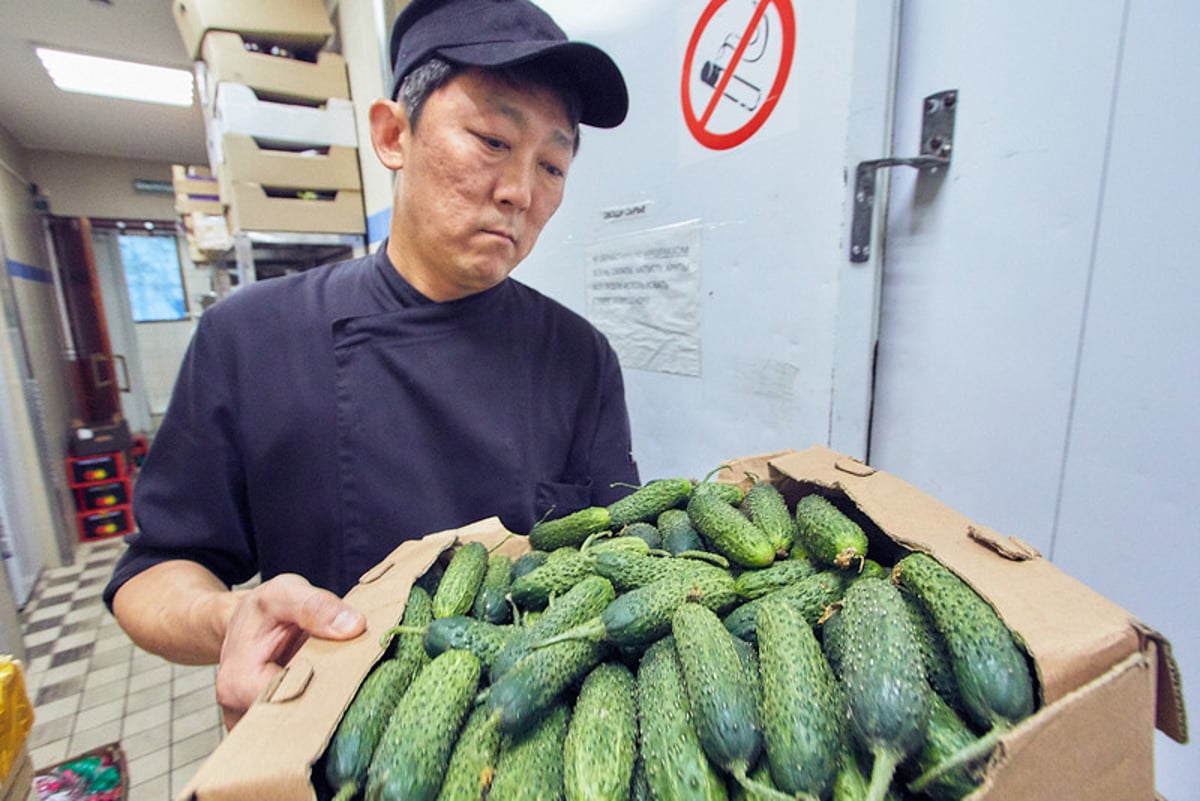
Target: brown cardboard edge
(253, 760)
(1062, 665)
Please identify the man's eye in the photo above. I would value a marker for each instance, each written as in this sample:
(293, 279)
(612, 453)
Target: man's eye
(493, 143)
(554, 170)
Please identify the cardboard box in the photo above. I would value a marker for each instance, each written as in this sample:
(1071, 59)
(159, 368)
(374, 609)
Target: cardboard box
(298, 25)
(287, 80)
(190, 179)
(208, 233)
(197, 204)
(1105, 679)
(237, 110)
(250, 208)
(247, 161)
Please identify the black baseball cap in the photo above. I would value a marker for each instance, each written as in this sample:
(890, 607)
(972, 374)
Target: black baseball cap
(498, 33)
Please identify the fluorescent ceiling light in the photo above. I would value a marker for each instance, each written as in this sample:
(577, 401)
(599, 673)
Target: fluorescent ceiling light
(107, 77)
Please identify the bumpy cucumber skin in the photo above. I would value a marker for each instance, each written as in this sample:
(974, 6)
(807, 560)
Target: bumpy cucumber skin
(812, 595)
(732, 494)
(418, 613)
(628, 571)
(769, 511)
(365, 720)
(729, 532)
(648, 502)
(645, 531)
(801, 706)
(887, 696)
(569, 531)
(601, 741)
(723, 706)
(678, 534)
(992, 675)
(491, 603)
(455, 594)
(481, 638)
(753, 584)
(676, 767)
(527, 562)
(584, 601)
(473, 761)
(530, 767)
(411, 758)
(947, 735)
(563, 569)
(828, 535)
(641, 616)
(530, 688)
(934, 655)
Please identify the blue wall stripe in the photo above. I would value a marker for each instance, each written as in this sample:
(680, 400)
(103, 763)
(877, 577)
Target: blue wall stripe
(30, 273)
(377, 226)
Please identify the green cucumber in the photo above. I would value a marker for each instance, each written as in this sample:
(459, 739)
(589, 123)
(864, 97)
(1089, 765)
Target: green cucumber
(769, 511)
(527, 562)
(460, 583)
(801, 706)
(528, 690)
(473, 761)
(645, 531)
(888, 698)
(729, 532)
(628, 571)
(753, 584)
(601, 741)
(649, 501)
(563, 569)
(676, 767)
(677, 532)
(530, 767)
(812, 595)
(491, 603)
(947, 737)
(827, 534)
(411, 759)
(569, 531)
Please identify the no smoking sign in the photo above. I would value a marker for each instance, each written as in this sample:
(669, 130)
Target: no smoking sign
(737, 64)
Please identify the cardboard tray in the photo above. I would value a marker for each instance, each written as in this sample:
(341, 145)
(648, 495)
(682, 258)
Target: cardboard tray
(1105, 679)
(250, 208)
(246, 161)
(299, 25)
(286, 80)
(238, 110)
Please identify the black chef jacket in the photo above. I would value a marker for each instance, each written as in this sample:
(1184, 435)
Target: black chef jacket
(320, 419)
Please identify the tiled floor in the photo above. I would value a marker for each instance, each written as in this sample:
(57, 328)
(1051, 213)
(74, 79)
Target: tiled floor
(91, 686)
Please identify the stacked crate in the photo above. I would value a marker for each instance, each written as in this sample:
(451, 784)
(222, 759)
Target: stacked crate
(280, 127)
(101, 483)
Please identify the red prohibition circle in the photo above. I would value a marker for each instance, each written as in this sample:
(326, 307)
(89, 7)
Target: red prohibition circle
(697, 123)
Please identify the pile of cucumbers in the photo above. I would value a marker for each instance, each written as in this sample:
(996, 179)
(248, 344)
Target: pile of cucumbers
(695, 640)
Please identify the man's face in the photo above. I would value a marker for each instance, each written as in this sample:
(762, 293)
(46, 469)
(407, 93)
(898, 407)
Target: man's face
(482, 173)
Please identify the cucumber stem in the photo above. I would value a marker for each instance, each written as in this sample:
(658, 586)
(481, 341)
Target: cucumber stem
(387, 636)
(976, 750)
(759, 790)
(588, 630)
(881, 774)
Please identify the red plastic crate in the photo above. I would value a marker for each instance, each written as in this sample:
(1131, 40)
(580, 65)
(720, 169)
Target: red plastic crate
(99, 469)
(102, 496)
(103, 523)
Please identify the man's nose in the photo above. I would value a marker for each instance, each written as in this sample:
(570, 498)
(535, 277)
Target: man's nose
(514, 187)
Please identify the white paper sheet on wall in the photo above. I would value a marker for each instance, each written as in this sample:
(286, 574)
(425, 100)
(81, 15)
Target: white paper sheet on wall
(643, 292)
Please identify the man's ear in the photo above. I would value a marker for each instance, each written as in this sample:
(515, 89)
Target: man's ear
(389, 133)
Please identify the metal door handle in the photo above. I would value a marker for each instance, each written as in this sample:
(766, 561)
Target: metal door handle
(98, 359)
(120, 359)
(937, 142)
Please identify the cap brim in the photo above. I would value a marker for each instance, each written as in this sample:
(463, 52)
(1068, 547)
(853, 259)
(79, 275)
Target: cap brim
(599, 81)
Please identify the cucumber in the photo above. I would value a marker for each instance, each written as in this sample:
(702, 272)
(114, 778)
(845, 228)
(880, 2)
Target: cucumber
(827, 534)
(645, 531)
(888, 699)
(724, 709)
(812, 595)
(527, 562)
(753, 584)
(491, 603)
(569, 531)
(362, 725)
(530, 767)
(530, 688)
(639, 617)
(562, 570)
(411, 758)
(948, 736)
(473, 761)
(649, 501)
(582, 602)
(481, 638)
(732, 494)
(934, 655)
(768, 510)
(990, 668)
(460, 583)
(601, 741)
(676, 767)
(729, 532)
(678, 534)
(801, 706)
(628, 571)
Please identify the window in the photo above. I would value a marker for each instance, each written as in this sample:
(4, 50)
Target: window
(154, 277)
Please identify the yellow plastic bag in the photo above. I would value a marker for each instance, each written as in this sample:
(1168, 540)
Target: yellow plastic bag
(16, 713)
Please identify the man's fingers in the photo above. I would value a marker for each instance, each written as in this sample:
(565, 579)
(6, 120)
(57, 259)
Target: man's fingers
(291, 599)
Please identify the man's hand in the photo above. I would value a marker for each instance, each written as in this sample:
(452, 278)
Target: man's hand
(267, 626)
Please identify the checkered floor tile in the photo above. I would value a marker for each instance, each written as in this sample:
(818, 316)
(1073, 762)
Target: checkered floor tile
(91, 686)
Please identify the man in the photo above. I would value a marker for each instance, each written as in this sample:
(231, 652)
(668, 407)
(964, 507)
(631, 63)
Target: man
(320, 419)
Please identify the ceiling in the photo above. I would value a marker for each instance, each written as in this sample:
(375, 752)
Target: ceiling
(42, 117)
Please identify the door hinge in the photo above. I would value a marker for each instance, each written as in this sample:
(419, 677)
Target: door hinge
(937, 142)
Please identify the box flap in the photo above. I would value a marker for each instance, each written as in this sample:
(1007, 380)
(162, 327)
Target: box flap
(1011, 575)
(1172, 713)
(253, 761)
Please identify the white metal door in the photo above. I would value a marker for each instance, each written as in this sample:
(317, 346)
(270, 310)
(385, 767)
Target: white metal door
(122, 334)
(1036, 363)
(742, 328)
